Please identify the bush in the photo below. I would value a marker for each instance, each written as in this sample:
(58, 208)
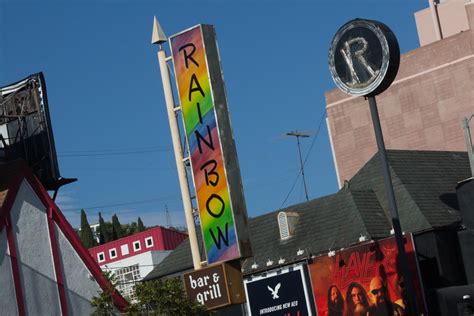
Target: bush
(164, 297)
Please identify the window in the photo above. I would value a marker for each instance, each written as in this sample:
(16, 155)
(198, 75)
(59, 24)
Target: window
(149, 242)
(136, 245)
(101, 257)
(283, 225)
(124, 249)
(113, 253)
(126, 280)
(287, 224)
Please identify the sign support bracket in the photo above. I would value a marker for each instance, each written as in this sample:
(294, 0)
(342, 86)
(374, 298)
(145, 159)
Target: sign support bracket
(178, 154)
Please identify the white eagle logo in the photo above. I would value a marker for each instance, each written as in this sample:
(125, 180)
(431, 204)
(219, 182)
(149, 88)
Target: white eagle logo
(274, 291)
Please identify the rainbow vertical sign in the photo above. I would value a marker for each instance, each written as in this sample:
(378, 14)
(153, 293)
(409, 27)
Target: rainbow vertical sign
(214, 163)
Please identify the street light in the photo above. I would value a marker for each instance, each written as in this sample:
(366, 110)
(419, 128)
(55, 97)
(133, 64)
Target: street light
(298, 135)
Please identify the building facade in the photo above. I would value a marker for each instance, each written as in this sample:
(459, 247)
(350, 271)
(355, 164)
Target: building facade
(133, 257)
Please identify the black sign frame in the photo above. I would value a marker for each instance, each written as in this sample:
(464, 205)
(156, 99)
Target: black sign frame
(268, 295)
(376, 60)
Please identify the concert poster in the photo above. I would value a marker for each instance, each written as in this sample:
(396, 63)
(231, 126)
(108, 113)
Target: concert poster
(364, 280)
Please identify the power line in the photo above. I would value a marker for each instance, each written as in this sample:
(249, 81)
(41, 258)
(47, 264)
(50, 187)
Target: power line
(115, 149)
(116, 153)
(298, 135)
(323, 116)
(167, 198)
(95, 169)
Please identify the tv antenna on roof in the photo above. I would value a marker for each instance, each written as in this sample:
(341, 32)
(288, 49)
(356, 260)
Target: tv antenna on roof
(168, 217)
(298, 135)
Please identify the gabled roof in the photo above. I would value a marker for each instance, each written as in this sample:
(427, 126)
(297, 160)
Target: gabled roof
(12, 175)
(424, 183)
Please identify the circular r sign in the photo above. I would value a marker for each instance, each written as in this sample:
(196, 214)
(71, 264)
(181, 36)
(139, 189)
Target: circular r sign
(364, 57)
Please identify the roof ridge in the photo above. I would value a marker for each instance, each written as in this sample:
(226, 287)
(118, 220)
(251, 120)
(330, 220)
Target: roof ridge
(351, 197)
(369, 215)
(291, 208)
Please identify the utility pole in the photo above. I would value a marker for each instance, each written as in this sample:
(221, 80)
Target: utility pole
(435, 19)
(467, 138)
(298, 135)
(160, 38)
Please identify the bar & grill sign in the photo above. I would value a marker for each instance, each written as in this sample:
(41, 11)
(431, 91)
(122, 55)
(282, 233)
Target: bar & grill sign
(215, 286)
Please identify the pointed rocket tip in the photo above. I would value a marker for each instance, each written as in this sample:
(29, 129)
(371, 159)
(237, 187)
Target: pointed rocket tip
(158, 36)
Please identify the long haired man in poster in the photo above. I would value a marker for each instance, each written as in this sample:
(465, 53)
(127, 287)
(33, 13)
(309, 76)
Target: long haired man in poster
(357, 302)
(335, 302)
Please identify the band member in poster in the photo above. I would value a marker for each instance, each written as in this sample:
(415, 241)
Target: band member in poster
(335, 302)
(357, 302)
(400, 291)
(381, 304)
(399, 287)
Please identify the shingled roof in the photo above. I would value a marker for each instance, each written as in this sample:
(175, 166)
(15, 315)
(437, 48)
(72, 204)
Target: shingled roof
(424, 184)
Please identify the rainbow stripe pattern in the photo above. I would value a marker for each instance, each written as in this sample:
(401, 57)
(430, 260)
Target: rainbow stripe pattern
(207, 160)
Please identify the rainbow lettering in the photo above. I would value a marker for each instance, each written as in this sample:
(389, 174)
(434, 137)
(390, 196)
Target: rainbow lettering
(202, 131)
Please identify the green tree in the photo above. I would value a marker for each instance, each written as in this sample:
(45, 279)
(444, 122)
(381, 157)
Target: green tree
(116, 228)
(165, 297)
(129, 229)
(104, 236)
(140, 226)
(104, 302)
(86, 235)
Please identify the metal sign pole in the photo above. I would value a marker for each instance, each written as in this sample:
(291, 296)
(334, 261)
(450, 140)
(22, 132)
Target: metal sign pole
(411, 294)
(178, 154)
(160, 38)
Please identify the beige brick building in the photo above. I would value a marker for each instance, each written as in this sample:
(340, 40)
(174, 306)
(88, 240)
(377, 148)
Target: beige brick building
(424, 107)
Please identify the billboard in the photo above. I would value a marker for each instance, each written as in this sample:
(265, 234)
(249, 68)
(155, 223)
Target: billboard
(364, 279)
(214, 164)
(279, 293)
(25, 128)
(215, 286)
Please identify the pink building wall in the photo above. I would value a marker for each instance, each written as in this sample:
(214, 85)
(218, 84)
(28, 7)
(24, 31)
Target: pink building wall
(452, 19)
(423, 109)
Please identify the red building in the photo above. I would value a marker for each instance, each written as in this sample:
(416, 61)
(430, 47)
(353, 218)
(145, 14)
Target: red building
(133, 257)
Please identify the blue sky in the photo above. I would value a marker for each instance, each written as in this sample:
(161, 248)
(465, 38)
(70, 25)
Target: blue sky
(107, 106)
